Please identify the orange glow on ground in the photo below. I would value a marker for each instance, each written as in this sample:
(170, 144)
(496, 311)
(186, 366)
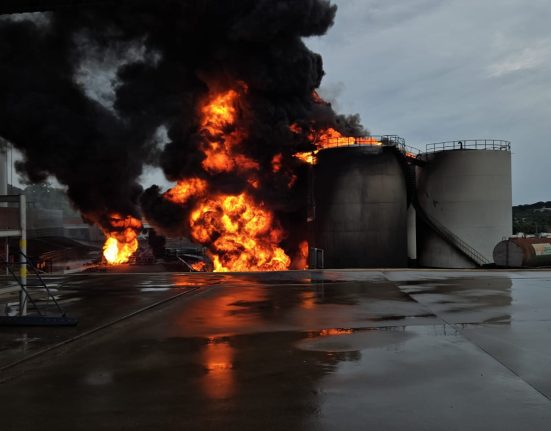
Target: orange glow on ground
(219, 381)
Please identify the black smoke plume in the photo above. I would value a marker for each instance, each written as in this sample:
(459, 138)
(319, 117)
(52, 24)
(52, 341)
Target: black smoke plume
(167, 56)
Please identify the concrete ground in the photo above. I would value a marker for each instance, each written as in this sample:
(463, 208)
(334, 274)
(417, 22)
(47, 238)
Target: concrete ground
(330, 350)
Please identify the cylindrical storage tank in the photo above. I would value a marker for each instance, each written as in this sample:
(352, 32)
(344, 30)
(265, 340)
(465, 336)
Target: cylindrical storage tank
(360, 201)
(523, 252)
(465, 187)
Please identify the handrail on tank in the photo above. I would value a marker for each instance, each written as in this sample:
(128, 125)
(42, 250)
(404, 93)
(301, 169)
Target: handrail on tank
(372, 140)
(470, 144)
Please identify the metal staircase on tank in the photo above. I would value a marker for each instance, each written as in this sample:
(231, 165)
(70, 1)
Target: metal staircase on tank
(39, 316)
(408, 165)
(450, 237)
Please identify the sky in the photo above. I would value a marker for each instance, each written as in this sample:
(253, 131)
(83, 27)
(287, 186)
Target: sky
(442, 70)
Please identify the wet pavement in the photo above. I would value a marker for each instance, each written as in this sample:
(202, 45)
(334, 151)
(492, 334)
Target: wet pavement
(325, 350)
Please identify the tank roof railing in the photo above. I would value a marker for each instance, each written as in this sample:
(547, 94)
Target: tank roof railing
(470, 144)
(372, 140)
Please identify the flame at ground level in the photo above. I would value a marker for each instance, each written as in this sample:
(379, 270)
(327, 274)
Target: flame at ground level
(240, 233)
(122, 240)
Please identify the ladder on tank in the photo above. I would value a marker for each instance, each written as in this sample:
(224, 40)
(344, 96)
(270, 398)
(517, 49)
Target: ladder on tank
(451, 238)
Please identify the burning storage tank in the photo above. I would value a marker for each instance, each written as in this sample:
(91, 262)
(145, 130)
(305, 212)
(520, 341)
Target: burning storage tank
(523, 252)
(360, 204)
(464, 203)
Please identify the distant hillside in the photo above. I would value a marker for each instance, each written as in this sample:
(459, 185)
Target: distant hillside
(532, 218)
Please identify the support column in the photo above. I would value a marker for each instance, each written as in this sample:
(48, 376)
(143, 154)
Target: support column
(22, 257)
(3, 170)
(412, 237)
(4, 188)
(7, 254)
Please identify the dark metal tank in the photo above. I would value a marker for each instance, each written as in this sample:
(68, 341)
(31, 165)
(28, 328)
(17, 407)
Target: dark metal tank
(360, 214)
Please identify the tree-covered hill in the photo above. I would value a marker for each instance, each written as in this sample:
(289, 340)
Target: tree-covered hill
(532, 218)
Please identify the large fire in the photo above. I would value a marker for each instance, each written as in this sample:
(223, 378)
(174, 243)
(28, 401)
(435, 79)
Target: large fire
(223, 138)
(243, 233)
(329, 138)
(240, 232)
(122, 239)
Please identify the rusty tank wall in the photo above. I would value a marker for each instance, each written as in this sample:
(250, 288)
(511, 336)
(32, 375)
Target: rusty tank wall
(468, 192)
(523, 252)
(360, 201)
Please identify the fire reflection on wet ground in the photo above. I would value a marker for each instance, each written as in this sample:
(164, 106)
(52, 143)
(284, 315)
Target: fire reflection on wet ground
(243, 352)
(219, 381)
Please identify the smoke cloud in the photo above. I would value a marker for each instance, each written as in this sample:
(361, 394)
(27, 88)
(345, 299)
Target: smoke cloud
(162, 59)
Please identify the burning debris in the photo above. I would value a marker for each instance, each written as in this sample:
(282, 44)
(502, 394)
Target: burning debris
(232, 83)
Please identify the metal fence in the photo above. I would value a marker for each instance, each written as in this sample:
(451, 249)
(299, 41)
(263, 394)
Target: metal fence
(470, 144)
(375, 141)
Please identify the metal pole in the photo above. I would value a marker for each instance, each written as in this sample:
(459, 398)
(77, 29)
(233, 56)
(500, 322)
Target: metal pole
(7, 251)
(412, 235)
(23, 255)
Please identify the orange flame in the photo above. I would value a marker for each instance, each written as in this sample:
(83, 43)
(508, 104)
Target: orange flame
(223, 137)
(329, 138)
(186, 189)
(277, 162)
(199, 266)
(307, 157)
(241, 233)
(122, 241)
(301, 258)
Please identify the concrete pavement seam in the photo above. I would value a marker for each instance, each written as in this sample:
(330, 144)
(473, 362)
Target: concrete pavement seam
(459, 330)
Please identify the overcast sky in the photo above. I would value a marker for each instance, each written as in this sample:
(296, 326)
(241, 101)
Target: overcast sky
(438, 70)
